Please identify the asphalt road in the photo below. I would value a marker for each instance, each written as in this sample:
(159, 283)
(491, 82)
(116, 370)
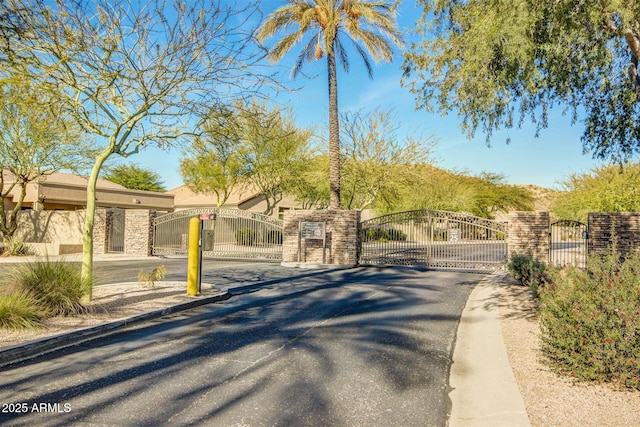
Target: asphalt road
(364, 346)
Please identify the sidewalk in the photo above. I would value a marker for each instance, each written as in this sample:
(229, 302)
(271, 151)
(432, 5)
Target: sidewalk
(484, 389)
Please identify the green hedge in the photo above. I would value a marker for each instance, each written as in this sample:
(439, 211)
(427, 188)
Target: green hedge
(246, 236)
(384, 234)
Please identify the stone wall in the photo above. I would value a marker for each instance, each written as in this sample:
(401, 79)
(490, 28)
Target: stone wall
(59, 232)
(100, 232)
(529, 233)
(624, 226)
(342, 238)
(138, 232)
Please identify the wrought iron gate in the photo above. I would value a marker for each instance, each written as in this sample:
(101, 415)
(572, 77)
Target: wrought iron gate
(568, 243)
(435, 239)
(234, 234)
(115, 230)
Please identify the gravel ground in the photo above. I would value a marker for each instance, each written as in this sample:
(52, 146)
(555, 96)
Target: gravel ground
(551, 399)
(110, 303)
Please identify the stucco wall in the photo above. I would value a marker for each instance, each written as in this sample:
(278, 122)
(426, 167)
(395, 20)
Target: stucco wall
(51, 232)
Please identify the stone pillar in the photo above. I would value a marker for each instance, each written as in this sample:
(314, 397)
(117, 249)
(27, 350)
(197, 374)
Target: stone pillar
(342, 234)
(625, 227)
(138, 232)
(100, 232)
(529, 233)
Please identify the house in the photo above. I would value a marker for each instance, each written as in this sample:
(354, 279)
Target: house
(244, 198)
(64, 191)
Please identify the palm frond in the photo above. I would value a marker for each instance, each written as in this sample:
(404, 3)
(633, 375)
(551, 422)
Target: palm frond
(284, 45)
(342, 54)
(306, 55)
(365, 58)
(370, 25)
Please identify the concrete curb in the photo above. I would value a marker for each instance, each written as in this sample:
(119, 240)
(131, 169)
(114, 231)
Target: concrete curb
(30, 350)
(484, 388)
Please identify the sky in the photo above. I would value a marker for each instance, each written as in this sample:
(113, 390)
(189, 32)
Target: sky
(545, 161)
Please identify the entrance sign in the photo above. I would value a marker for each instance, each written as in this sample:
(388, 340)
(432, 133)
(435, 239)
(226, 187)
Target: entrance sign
(312, 231)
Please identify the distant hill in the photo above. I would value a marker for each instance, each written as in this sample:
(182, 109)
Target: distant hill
(544, 197)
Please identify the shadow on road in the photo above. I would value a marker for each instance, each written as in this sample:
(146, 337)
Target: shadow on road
(316, 348)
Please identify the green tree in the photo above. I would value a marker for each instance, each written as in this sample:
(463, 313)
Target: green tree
(374, 157)
(211, 163)
(134, 177)
(327, 23)
(497, 63)
(274, 151)
(130, 74)
(310, 187)
(36, 139)
(251, 145)
(428, 187)
(609, 188)
(493, 195)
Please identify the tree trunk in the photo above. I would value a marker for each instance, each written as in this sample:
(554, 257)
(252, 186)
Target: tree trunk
(9, 219)
(334, 135)
(633, 41)
(87, 236)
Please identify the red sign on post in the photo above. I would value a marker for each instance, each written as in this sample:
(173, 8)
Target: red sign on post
(205, 217)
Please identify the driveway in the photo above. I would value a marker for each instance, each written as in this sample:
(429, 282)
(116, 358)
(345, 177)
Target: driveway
(364, 346)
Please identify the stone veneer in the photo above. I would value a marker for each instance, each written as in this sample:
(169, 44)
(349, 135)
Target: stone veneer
(529, 233)
(100, 232)
(626, 227)
(342, 237)
(138, 232)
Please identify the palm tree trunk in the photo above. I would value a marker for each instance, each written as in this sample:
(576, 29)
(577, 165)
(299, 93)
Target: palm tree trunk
(334, 135)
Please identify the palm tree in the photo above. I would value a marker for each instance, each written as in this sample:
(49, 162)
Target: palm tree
(328, 22)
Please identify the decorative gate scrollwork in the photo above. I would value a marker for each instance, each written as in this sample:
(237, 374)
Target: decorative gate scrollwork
(435, 239)
(234, 234)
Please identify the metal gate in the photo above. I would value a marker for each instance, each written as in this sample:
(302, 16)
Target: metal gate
(568, 243)
(435, 239)
(115, 230)
(234, 234)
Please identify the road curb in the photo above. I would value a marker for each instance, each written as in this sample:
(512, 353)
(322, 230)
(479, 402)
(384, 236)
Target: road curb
(32, 349)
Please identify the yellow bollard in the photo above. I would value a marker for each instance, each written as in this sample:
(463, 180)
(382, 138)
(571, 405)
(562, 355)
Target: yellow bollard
(193, 258)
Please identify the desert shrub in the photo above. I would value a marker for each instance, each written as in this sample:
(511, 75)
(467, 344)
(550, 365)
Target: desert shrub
(15, 247)
(245, 236)
(384, 234)
(19, 310)
(149, 279)
(590, 320)
(274, 237)
(529, 271)
(55, 285)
